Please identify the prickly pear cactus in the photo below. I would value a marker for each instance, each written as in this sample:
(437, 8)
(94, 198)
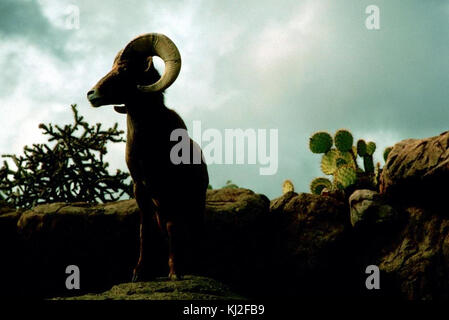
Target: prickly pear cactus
(320, 142)
(387, 152)
(318, 184)
(347, 156)
(328, 162)
(345, 176)
(377, 173)
(287, 186)
(368, 164)
(333, 159)
(341, 161)
(343, 140)
(361, 148)
(370, 148)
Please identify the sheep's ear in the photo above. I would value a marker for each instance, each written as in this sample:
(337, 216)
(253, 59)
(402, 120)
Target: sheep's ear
(120, 109)
(149, 63)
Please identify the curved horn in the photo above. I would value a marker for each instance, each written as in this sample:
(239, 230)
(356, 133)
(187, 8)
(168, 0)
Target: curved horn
(156, 44)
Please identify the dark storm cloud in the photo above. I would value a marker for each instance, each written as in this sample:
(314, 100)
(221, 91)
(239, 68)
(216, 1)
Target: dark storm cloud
(298, 66)
(386, 85)
(9, 80)
(24, 19)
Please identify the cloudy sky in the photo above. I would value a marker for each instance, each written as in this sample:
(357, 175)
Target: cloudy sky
(299, 67)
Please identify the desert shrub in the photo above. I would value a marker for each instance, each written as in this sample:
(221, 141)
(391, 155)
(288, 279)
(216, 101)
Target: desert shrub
(69, 168)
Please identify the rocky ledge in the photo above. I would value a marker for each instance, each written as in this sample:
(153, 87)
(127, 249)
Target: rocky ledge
(189, 288)
(295, 245)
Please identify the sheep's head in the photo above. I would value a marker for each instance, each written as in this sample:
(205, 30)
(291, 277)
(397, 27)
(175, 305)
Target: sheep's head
(133, 72)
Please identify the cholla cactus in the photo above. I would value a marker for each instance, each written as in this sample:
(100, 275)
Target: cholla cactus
(70, 167)
(287, 186)
(341, 161)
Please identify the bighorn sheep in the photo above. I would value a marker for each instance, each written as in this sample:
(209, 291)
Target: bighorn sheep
(174, 195)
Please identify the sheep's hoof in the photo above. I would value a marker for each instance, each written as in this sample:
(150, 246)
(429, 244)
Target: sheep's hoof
(141, 274)
(136, 276)
(174, 277)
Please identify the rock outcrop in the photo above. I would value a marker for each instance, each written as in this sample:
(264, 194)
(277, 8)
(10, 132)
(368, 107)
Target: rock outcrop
(102, 240)
(368, 207)
(189, 288)
(312, 244)
(295, 245)
(416, 258)
(238, 241)
(418, 170)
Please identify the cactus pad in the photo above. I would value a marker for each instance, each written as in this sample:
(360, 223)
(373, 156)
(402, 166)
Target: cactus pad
(387, 152)
(340, 162)
(287, 186)
(345, 176)
(368, 164)
(318, 184)
(320, 142)
(377, 173)
(333, 159)
(328, 162)
(343, 140)
(370, 148)
(361, 148)
(347, 156)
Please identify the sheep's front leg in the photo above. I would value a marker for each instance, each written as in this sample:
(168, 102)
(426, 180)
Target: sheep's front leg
(173, 251)
(146, 212)
(137, 272)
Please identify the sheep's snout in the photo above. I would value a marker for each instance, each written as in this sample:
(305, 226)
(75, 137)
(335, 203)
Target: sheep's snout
(94, 98)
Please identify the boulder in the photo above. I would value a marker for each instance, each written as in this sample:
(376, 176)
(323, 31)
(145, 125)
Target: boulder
(417, 169)
(189, 288)
(238, 240)
(312, 223)
(101, 239)
(277, 205)
(314, 251)
(235, 206)
(415, 260)
(8, 224)
(5, 207)
(368, 207)
(10, 250)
